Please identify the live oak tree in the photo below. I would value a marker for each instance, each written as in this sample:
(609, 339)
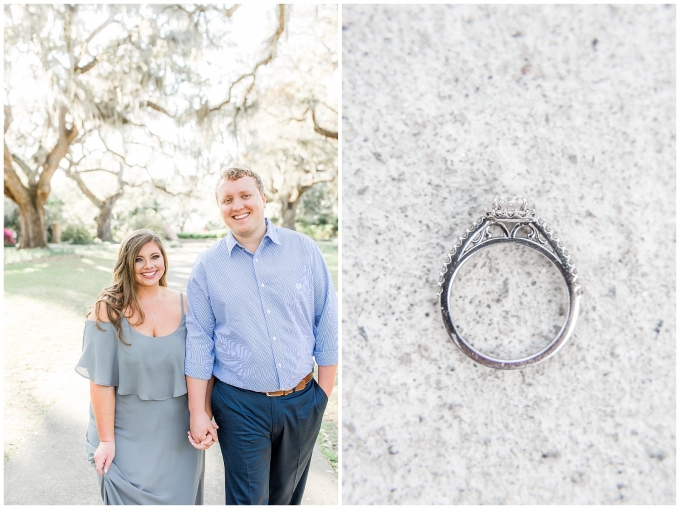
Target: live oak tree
(89, 88)
(101, 72)
(95, 67)
(291, 132)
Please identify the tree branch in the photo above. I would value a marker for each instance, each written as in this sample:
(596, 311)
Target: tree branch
(75, 176)
(14, 188)
(161, 186)
(95, 60)
(51, 164)
(332, 109)
(68, 13)
(300, 188)
(82, 70)
(8, 117)
(204, 8)
(321, 130)
(23, 165)
(121, 157)
(154, 106)
(99, 29)
(273, 40)
(99, 169)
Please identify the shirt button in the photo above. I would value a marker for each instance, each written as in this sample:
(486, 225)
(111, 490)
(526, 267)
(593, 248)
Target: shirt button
(279, 365)
(262, 285)
(268, 311)
(274, 338)
(256, 259)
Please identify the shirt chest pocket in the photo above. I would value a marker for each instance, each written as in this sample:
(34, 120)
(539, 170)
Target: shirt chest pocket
(225, 315)
(299, 290)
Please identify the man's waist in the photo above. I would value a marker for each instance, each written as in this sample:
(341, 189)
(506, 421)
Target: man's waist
(274, 393)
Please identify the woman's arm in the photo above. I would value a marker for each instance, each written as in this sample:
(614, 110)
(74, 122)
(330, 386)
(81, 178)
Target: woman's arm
(103, 398)
(104, 407)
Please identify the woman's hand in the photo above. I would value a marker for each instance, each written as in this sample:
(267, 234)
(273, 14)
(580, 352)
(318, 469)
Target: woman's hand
(103, 456)
(202, 446)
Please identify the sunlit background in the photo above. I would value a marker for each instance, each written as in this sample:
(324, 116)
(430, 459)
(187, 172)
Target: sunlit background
(162, 97)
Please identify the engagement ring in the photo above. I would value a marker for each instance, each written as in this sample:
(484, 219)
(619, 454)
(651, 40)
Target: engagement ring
(510, 220)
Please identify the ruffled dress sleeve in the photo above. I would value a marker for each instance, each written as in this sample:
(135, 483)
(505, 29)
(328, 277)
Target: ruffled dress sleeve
(99, 360)
(152, 368)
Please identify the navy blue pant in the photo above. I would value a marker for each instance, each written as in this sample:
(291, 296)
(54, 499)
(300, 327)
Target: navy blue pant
(266, 442)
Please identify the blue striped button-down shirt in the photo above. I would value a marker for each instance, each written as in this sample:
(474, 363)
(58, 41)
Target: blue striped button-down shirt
(258, 321)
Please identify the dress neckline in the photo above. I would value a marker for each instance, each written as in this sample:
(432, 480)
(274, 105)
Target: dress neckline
(181, 322)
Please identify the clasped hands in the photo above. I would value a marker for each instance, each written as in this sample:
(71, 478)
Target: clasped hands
(203, 431)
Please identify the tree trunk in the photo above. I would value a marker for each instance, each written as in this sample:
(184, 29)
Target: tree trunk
(56, 233)
(31, 200)
(32, 231)
(104, 218)
(288, 210)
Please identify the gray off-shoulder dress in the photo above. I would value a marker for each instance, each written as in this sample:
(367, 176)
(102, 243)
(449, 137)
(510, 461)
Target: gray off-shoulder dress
(154, 461)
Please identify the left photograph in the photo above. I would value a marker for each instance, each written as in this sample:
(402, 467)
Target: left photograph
(171, 254)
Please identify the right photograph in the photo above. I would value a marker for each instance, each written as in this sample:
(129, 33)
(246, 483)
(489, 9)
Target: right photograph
(508, 254)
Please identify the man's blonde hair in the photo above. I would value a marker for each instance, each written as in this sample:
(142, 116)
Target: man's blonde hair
(238, 171)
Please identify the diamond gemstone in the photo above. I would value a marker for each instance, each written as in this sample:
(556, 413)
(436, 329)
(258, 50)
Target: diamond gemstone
(511, 209)
(506, 203)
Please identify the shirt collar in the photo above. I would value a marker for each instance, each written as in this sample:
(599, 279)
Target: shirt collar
(272, 233)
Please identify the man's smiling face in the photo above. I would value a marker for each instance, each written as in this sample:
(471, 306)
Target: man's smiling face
(242, 207)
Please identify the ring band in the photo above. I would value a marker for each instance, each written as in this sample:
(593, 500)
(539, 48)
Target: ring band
(512, 216)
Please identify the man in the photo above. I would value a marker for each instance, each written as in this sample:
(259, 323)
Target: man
(262, 308)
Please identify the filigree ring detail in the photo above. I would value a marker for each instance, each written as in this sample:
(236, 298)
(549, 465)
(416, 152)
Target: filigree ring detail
(510, 215)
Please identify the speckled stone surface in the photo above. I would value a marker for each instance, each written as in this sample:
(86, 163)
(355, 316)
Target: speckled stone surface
(443, 108)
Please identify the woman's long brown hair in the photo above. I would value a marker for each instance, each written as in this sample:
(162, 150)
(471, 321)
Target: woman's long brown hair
(122, 294)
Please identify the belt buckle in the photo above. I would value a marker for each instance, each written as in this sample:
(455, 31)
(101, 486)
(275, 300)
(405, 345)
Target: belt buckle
(270, 394)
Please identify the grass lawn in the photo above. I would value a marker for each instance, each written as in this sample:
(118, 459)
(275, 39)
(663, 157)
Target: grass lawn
(329, 249)
(13, 255)
(328, 435)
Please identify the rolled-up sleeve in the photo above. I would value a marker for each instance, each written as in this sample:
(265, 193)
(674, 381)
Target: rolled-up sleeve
(325, 312)
(200, 345)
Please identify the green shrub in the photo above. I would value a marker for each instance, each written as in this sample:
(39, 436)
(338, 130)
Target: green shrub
(214, 234)
(77, 234)
(317, 231)
(12, 220)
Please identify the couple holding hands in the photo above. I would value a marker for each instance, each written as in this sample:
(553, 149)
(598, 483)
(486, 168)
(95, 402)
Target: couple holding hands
(261, 309)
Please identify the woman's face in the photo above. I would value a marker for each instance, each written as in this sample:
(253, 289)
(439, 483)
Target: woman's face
(149, 265)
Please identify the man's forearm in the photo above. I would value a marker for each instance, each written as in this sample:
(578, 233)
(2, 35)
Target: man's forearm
(327, 378)
(197, 389)
(208, 396)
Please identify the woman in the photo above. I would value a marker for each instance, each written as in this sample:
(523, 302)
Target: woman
(133, 354)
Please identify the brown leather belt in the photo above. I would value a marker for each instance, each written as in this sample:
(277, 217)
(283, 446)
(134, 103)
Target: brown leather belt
(303, 383)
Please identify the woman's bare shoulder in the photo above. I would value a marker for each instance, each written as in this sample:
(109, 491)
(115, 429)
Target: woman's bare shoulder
(174, 295)
(102, 315)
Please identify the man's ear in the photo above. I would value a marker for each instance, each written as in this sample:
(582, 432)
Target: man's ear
(264, 199)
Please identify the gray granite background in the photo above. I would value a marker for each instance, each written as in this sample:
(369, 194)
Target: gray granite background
(443, 108)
